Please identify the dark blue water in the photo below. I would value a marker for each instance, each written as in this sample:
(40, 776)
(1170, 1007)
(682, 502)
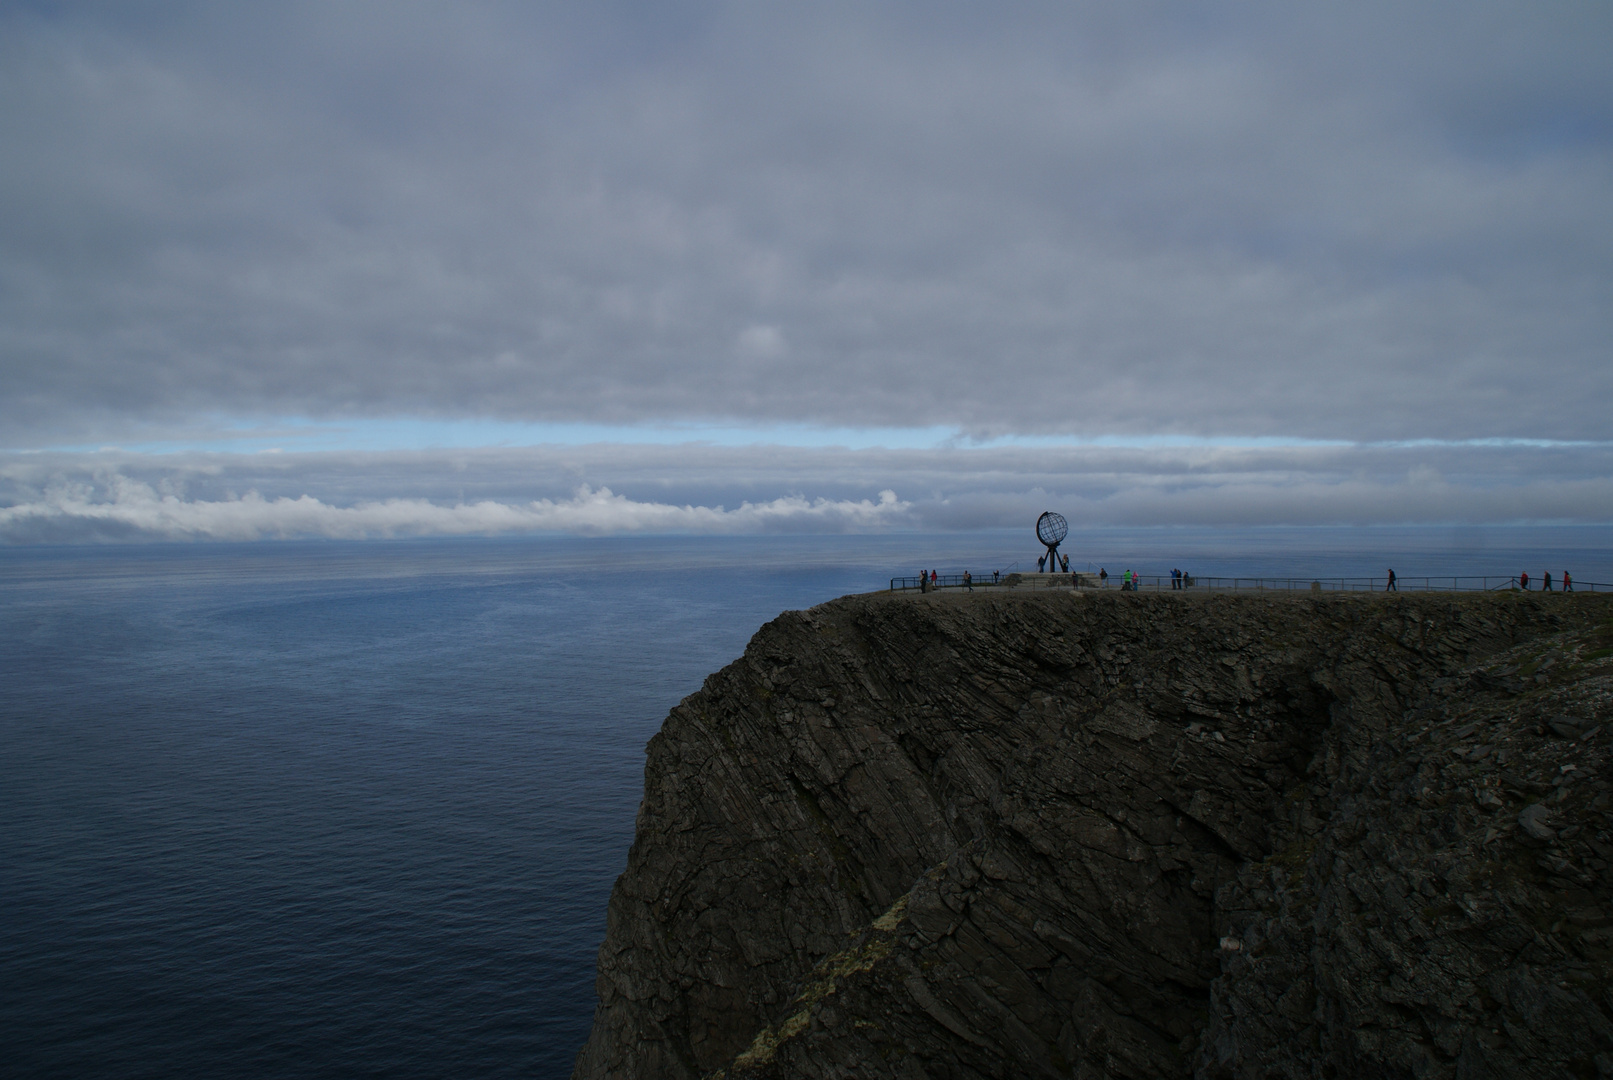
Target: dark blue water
(279, 810)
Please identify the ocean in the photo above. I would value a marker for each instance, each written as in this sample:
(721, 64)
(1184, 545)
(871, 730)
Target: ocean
(354, 808)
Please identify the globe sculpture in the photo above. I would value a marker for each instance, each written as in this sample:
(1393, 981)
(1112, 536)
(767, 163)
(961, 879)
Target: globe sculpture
(1051, 529)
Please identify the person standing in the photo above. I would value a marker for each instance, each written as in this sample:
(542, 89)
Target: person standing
(1523, 581)
(1568, 582)
(1103, 577)
(932, 579)
(1391, 587)
(1547, 579)
(968, 581)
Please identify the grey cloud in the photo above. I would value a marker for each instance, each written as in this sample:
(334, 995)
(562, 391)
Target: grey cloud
(1379, 223)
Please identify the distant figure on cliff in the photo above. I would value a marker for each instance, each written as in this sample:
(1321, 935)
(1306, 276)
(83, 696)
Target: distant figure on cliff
(1523, 581)
(932, 579)
(1568, 583)
(968, 581)
(1176, 579)
(924, 581)
(1103, 577)
(1065, 559)
(1547, 579)
(1041, 563)
(1391, 587)
(994, 574)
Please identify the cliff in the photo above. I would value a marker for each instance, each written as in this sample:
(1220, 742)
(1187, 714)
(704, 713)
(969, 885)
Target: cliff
(1070, 834)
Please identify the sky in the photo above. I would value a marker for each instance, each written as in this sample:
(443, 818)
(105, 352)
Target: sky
(383, 269)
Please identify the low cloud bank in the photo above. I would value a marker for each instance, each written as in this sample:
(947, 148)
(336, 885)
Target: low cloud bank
(613, 489)
(120, 508)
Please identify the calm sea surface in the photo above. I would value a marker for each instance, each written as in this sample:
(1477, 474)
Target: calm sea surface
(297, 809)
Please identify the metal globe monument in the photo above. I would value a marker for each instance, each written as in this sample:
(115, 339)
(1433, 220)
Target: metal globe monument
(1051, 529)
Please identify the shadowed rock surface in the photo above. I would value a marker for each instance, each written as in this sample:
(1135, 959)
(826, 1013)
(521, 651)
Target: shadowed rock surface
(1067, 834)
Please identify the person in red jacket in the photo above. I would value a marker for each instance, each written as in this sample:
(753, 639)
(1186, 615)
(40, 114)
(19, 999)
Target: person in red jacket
(1568, 582)
(1523, 581)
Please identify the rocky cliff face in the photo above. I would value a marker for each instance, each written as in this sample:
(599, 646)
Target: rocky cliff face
(1099, 834)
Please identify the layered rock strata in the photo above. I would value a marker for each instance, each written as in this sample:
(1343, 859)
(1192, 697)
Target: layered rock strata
(1088, 834)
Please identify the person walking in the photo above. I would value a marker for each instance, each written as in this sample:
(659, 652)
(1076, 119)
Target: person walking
(1391, 587)
(1568, 582)
(1547, 579)
(1523, 581)
(1103, 577)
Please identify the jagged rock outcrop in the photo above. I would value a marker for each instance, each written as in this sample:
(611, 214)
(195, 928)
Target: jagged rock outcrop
(1086, 834)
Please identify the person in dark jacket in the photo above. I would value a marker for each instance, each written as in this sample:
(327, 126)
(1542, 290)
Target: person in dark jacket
(1391, 587)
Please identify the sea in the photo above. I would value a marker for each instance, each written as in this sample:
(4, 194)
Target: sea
(317, 808)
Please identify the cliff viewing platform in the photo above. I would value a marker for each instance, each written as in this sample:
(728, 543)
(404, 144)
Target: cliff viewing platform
(1195, 583)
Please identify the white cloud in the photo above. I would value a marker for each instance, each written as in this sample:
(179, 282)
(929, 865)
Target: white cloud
(604, 488)
(121, 507)
(762, 342)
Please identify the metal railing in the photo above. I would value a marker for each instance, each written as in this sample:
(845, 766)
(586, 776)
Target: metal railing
(943, 581)
(1164, 583)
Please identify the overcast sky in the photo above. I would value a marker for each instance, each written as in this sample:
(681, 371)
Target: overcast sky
(1290, 262)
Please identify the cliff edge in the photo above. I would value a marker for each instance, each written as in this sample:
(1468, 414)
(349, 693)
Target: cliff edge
(1087, 834)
